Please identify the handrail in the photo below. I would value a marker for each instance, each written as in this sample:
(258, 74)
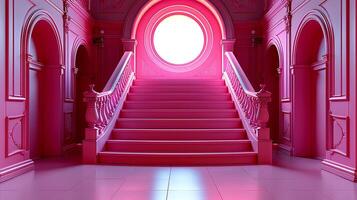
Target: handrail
(253, 103)
(246, 85)
(252, 107)
(101, 106)
(114, 78)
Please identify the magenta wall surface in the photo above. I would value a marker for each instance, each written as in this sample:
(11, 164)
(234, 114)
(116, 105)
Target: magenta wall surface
(116, 19)
(62, 26)
(208, 64)
(294, 27)
(324, 83)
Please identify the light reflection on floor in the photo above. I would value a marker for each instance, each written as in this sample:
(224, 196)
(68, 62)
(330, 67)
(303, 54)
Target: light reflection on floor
(289, 178)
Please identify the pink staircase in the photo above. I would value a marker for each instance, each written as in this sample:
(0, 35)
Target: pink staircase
(178, 122)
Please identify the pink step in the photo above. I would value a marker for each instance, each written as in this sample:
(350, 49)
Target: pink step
(178, 146)
(179, 123)
(208, 158)
(179, 134)
(177, 97)
(174, 89)
(178, 105)
(179, 113)
(208, 82)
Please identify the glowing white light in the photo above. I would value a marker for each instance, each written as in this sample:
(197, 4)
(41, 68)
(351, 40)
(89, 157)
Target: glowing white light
(178, 39)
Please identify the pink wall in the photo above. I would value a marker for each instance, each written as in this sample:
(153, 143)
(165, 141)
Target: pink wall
(119, 16)
(73, 26)
(2, 83)
(247, 51)
(65, 26)
(209, 62)
(331, 133)
(110, 53)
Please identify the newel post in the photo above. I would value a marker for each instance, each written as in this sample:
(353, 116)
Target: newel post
(91, 132)
(263, 131)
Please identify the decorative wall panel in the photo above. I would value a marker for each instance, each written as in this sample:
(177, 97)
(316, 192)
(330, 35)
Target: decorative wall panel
(338, 140)
(15, 71)
(15, 127)
(68, 127)
(340, 47)
(286, 134)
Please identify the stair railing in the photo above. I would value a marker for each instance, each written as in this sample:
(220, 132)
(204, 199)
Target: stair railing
(103, 107)
(251, 105)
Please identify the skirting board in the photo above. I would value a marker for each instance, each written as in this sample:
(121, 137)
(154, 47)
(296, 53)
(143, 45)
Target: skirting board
(16, 170)
(285, 148)
(344, 171)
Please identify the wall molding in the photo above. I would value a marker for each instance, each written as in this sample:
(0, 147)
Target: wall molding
(343, 124)
(16, 170)
(344, 171)
(15, 142)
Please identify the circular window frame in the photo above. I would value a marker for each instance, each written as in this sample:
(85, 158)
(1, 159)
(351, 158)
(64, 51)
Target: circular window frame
(187, 11)
(191, 18)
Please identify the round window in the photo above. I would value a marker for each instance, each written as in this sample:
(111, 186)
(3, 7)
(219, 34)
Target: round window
(178, 39)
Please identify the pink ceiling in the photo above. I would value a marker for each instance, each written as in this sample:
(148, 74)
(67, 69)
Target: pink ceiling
(118, 9)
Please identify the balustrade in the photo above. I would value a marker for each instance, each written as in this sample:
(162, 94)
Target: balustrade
(103, 107)
(252, 106)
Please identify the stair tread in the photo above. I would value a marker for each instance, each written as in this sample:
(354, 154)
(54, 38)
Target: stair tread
(179, 110)
(173, 93)
(175, 86)
(179, 153)
(179, 119)
(178, 141)
(178, 79)
(183, 129)
(180, 101)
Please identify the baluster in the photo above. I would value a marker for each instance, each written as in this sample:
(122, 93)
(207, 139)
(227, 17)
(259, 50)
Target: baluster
(102, 112)
(264, 97)
(91, 97)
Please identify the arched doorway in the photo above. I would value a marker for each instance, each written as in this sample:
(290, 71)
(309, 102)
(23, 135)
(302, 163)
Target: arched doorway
(44, 91)
(271, 79)
(82, 81)
(310, 92)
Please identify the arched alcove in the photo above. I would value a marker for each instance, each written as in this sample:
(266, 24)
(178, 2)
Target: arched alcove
(150, 64)
(83, 78)
(310, 91)
(44, 90)
(271, 78)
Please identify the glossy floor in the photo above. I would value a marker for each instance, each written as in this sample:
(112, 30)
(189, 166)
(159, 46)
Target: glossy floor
(289, 178)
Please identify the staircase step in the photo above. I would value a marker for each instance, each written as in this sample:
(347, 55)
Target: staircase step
(179, 134)
(173, 82)
(173, 89)
(174, 159)
(178, 104)
(178, 146)
(179, 113)
(179, 123)
(178, 97)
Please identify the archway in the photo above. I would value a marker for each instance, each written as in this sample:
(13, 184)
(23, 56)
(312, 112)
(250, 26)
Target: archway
(44, 91)
(84, 77)
(272, 80)
(310, 91)
(149, 61)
